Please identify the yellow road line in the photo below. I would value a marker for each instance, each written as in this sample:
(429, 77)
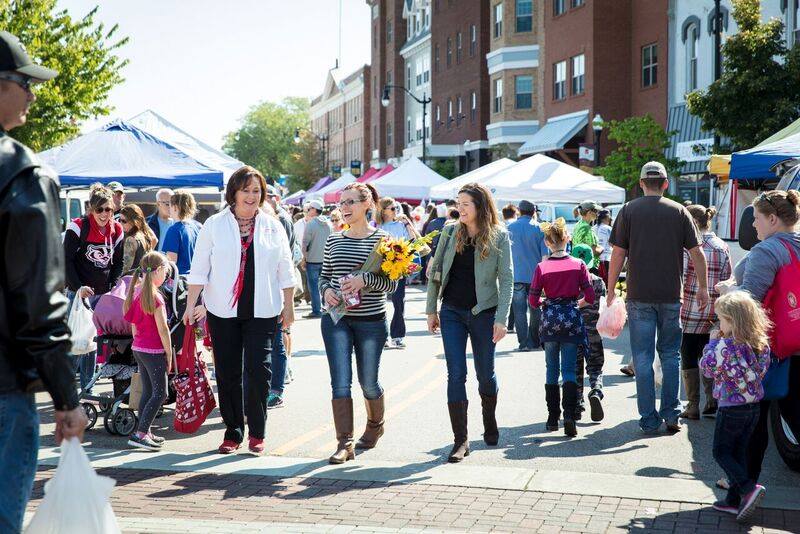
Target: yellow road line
(327, 428)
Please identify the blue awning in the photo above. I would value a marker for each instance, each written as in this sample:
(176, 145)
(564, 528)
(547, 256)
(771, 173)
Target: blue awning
(757, 162)
(555, 134)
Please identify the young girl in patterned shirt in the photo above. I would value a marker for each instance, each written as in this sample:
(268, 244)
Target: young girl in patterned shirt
(737, 362)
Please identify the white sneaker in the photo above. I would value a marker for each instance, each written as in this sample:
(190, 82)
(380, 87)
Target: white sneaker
(399, 343)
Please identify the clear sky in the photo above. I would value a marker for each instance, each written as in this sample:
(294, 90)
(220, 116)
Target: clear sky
(203, 63)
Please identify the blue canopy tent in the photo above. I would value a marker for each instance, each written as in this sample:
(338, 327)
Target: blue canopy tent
(120, 151)
(756, 163)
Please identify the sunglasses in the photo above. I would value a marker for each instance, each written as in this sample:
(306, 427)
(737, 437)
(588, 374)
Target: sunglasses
(348, 203)
(26, 82)
(763, 197)
(104, 210)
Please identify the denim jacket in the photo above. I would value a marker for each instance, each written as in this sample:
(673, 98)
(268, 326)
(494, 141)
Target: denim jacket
(494, 276)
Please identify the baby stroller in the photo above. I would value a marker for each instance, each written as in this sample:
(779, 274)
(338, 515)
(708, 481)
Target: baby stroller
(114, 350)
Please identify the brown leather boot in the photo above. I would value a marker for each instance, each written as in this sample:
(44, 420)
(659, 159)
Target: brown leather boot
(458, 420)
(491, 434)
(710, 409)
(691, 381)
(343, 421)
(374, 430)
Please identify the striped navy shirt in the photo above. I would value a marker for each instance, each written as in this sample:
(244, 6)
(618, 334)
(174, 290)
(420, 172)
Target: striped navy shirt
(344, 255)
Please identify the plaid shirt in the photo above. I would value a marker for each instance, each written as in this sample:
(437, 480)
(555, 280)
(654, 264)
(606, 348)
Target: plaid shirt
(718, 261)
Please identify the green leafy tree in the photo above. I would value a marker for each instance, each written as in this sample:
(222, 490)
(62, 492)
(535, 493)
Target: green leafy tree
(85, 55)
(758, 92)
(305, 166)
(445, 167)
(265, 138)
(639, 140)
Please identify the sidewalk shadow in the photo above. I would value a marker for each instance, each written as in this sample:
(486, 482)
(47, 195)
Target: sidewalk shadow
(706, 519)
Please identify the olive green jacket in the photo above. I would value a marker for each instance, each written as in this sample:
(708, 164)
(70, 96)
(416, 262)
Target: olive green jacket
(494, 277)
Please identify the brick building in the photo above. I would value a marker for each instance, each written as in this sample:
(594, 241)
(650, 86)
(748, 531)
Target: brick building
(388, 36)
(342, 113)
(516, 79)
(460, 81)
(601, 57)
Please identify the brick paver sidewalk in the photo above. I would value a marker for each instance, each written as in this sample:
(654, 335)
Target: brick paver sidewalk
(401, 507)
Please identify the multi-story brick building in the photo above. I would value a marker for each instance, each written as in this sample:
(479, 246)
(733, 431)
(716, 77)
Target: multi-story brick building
(601, 57)
(516, 80)
(460, 81)
(388, 36)
(342, 113)
(416, 54)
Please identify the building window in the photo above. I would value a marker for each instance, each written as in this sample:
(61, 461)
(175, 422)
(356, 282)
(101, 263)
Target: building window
(436, 58)
(577, 3)
(459, 108)
(498, 20)
(578, 75)
(408, 130)
(458, 47)
(408, 75)
(438, 115)
(449, 52)
(426, 69)
(524, 15)
(427, 13)
(498, 95)
(388, 31)
(560, 80)
(388, 135)
(388, 77)
(473, 112)
(419, 128)
(693, 35)
(375, 12)
(449, 113)
(473, 40)
(649, 65)
(524, 91)
(559, 7)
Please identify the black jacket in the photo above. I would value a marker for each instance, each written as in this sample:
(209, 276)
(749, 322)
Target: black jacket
(34, 338)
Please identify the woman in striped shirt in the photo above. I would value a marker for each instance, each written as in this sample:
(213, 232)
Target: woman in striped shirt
(363, 328)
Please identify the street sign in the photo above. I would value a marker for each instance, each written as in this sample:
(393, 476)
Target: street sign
(355, 167)
(336, 172)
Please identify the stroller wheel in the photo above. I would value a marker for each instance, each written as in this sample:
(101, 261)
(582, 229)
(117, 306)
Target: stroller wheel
(105, 402)
(91, 414)
(108, 422)
(124, 422)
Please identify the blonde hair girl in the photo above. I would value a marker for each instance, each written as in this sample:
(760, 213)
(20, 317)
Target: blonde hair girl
(744, 320)
(144, 309)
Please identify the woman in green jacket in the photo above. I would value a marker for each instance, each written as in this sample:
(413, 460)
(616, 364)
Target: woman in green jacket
(583, 234)
(471, 274)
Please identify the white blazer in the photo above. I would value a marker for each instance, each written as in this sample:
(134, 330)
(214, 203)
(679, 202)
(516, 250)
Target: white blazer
(217, 255)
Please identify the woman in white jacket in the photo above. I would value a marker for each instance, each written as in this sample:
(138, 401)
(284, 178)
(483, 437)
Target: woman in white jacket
(243, 266)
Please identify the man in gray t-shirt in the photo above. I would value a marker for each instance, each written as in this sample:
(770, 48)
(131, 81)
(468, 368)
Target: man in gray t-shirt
(652, 232)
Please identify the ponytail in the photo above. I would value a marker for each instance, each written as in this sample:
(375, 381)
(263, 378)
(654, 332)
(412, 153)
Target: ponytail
(150, 263)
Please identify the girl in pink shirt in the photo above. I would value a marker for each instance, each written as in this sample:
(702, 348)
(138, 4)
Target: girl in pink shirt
(152, 349)
(562, 279)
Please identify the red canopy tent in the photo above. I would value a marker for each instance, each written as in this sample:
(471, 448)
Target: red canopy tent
(367, 175)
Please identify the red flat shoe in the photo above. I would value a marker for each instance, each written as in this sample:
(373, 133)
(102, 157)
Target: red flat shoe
(256, 446)
(228, 446)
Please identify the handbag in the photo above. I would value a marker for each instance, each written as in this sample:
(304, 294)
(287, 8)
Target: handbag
(194, 396)
(781, 305)
(776, 381)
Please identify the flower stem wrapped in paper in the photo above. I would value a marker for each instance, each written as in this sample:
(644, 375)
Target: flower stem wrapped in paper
(393, 257)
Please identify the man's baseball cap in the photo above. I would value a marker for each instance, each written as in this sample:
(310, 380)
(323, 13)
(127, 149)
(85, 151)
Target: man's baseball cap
(590, 205)
(272, 191)
(14, 57)
(653, 169)
(316, 204)
(527, 207)
(116, 187)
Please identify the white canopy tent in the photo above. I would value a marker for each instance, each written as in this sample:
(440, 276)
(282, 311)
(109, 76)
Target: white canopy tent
(450, 188)
(540, 178)
(412, 180)
(336, 185)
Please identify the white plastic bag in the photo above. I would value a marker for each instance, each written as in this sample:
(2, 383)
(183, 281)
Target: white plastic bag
(82, 327)
(76, 498)
(612, 318)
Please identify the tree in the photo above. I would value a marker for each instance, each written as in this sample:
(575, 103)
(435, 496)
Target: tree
(639, 140)
(758, 92)
(265, 138)
(306, 165)
(83, 53)
(445, 167)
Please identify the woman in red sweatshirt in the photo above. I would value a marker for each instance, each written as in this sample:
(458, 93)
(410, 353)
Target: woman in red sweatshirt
(563, 279)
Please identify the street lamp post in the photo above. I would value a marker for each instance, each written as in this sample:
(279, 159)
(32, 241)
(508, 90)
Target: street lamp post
(597, 126)
(322, 138)
(425, 101)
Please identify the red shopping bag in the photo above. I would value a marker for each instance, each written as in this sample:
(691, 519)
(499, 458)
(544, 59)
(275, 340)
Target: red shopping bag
(194, 397)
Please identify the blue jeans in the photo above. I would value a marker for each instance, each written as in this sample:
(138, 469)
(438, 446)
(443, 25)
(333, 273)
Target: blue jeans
(560, 357)
(313, 272)
(366, 339)
(279, 361)
(397, 328)
(527, 333)
(85, 363)
(646, 321)
(19, 446)
(457, 325)
(734, 426)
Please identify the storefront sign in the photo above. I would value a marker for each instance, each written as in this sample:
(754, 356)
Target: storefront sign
(697, 150)
(586, 153)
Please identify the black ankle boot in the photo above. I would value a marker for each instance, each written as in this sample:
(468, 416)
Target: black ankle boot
(552, 396)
